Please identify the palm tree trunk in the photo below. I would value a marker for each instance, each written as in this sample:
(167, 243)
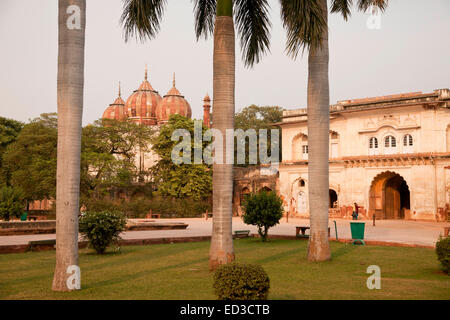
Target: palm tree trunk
(221, 250)
(318, 141)
(70, 109)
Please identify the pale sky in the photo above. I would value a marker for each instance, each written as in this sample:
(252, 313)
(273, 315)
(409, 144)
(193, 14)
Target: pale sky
(410, 52)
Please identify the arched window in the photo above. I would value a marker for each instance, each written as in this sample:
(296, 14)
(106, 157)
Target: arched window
(408, 143)
(244, 193)
(407, 140)
(305, 152)
(301, 183)
(390, 145)
(334, 135)
(334, 145)
(373, 146)
(298, 147)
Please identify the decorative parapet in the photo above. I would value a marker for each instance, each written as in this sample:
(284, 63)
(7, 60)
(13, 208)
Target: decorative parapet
(438, 98)
(396, 160)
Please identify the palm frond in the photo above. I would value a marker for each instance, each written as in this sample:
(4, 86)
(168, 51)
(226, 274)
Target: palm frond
(253, 24)
(342, 6)
(305, 23)
(142, 18)
(364, 5)
(205, 16)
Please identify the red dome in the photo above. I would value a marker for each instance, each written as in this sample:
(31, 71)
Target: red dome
(116, 110)
(141, 105)
(173, 103)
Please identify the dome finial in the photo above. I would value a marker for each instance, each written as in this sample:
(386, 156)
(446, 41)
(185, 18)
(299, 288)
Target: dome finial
(119, 89)
(174, 79)
(146, 71)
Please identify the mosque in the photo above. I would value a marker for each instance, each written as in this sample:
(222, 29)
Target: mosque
(145, 106)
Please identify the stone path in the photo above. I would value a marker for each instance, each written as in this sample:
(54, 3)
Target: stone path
(394, 231)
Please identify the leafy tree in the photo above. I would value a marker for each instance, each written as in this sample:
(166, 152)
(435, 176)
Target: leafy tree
(180, 180)
(11, 202)
(257, 118)
(9, 130)
(31, 160)
(263, 210)
(109, 148)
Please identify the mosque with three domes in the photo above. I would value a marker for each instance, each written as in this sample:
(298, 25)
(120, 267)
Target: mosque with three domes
(146, 106)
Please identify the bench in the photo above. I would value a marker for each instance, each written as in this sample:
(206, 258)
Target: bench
(303, 229)
(42, 244)
(242, 233)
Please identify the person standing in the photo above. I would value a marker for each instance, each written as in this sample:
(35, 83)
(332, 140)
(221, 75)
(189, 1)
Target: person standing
(355, 211)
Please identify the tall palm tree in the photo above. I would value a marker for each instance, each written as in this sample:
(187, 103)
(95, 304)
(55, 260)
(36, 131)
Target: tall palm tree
(71, 36)
(141, 18)
(306, 22)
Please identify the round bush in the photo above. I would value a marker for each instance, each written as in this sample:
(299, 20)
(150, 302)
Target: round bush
(443, 253)
(236, 281)
(102, 228)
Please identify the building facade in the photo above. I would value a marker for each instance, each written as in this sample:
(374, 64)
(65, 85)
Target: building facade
(390, 155)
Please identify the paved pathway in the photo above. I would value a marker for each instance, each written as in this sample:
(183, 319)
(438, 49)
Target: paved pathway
(407, 232)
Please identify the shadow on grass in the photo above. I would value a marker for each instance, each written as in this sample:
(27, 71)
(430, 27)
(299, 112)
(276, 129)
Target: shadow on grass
(138, 254)
(342, 250)
(278, 256)
(135, 276)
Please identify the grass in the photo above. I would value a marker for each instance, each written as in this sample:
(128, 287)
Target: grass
(180, 271)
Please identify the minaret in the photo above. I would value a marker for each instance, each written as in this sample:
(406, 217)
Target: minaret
(207, 111)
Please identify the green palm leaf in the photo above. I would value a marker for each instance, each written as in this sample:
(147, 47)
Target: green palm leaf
(205, 16)
(304, 23)
(142, 18)
(252, 21)
(343, 6)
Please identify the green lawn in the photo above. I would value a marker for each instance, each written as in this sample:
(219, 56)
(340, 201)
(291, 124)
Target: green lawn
(180, 271)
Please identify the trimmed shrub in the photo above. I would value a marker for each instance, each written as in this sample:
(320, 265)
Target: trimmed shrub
(12, 202)
(236, 281)
(102, 229)
(264, 210)
(443, 253)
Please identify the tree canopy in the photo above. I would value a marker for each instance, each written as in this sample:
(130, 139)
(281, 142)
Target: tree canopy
(30, 161)
(180, 180)
(107, 158)
(257, 118)
(108, 152)
(9, 130)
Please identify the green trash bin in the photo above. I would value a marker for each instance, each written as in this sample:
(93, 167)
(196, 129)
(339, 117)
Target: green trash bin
(24, 216)
(357, 229)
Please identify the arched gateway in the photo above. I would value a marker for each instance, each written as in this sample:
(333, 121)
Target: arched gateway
(389, 196)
